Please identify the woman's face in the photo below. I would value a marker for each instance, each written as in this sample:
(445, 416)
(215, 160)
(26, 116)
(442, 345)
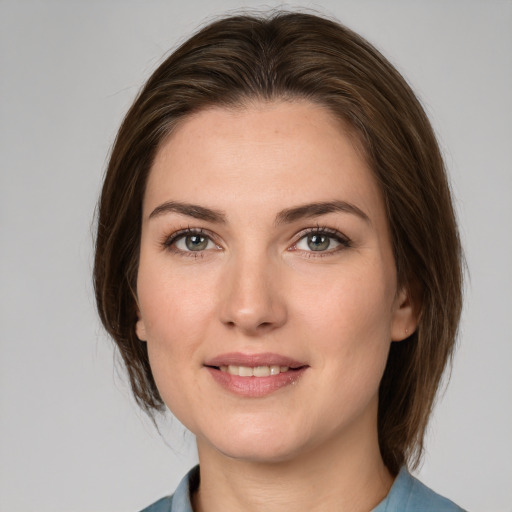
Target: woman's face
(267, 288)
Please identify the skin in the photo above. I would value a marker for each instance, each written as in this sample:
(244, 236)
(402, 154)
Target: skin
(258, 287)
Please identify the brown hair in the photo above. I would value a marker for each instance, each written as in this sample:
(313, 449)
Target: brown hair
(285, 56)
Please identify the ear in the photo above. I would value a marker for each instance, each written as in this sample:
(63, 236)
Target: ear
(140, 328)
(406, 314)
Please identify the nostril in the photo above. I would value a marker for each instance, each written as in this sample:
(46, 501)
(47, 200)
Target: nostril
(252, 316)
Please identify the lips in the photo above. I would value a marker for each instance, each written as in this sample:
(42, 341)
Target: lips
(256, 371)
(253, 360)
(254, 375)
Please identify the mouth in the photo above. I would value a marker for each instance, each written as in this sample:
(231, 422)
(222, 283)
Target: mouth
(254, 365)
(254, 375)
(256, 371)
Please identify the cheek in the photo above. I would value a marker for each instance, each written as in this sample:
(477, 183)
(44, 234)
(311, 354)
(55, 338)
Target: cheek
(172, 304)
(171, 317)
(349, 318)
(350, 304)
(176, 312)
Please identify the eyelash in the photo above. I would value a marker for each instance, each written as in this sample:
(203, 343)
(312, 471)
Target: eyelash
(344, 242)
(331, 233)
(169, 242)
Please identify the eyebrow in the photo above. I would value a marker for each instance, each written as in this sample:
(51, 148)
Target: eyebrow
(316, 209)
(284, 217)
(191, 210)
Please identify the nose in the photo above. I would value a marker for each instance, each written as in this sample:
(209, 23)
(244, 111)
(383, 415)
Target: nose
(252, 298)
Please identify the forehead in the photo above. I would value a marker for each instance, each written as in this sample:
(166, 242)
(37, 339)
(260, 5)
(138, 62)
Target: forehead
(276, 154)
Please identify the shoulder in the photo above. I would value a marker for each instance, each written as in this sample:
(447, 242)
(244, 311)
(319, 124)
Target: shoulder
(162, 505)
(180, 500)
(408, 494)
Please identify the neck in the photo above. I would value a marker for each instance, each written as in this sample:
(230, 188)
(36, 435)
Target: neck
(344, 475)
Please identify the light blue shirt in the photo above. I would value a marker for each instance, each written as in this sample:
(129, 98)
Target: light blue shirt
(406, 495)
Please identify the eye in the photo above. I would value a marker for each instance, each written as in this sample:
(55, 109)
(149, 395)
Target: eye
(321, 240)
(190, 241)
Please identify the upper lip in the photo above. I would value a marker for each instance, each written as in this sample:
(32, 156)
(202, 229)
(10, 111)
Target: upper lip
(252, 360)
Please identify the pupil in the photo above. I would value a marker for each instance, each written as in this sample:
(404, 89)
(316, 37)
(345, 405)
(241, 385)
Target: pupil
(318, 242)
(196, 242)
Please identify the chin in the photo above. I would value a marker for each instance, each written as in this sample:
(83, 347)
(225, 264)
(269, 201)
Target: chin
(263, 446)
(260, 454)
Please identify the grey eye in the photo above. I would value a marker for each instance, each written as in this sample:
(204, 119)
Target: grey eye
(194, 242)
(317, 242)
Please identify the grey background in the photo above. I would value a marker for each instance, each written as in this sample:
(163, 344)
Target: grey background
(71, 438)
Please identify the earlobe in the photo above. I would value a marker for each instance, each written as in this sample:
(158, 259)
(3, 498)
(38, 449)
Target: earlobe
(405, 316)
(140, 328)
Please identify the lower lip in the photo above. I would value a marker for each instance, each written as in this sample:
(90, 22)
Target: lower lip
(255, 387)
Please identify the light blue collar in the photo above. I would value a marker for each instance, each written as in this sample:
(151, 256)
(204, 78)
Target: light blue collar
(406, 495)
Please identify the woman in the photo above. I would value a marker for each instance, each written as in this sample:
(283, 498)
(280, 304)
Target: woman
(278, 262)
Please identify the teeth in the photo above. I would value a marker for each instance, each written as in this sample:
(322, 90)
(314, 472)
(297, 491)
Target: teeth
(243, 371)
(257, 371)
(262, 371)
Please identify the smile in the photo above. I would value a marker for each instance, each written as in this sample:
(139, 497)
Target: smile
(254, 375)
(256, 371)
